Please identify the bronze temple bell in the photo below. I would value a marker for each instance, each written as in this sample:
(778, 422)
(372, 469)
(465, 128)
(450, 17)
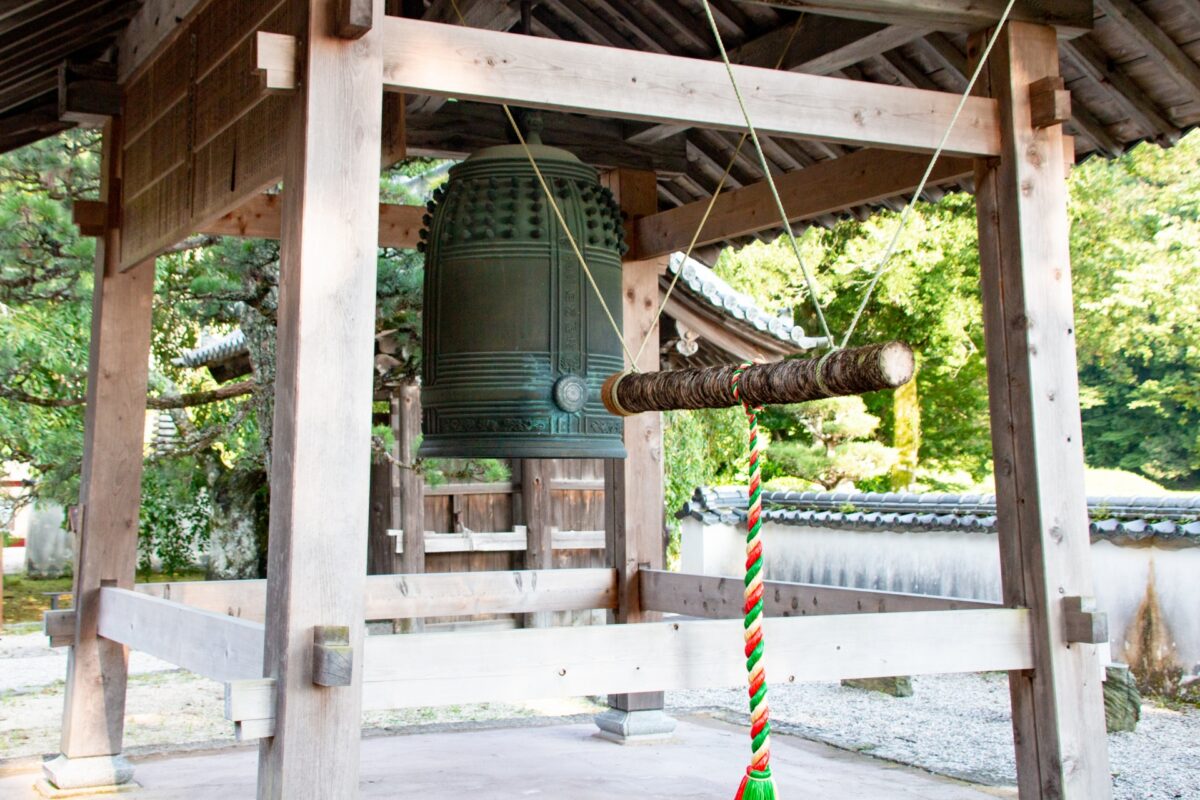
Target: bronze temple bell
(516, 343)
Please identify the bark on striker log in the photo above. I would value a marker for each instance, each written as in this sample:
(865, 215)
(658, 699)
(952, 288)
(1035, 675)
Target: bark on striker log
(838, 374)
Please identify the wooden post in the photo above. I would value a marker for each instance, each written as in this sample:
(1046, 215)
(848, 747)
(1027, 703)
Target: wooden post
(536, 474)
(110, 497)
(633, 492)
(323, 390)
(412, 491)
(381, 548)
(1058, 712)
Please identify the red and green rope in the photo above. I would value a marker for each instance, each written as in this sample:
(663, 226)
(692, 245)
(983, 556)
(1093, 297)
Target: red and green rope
(757, 784)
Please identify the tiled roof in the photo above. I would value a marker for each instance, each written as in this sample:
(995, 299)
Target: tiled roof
(219, 349)
(704, 283)
(1169, 520)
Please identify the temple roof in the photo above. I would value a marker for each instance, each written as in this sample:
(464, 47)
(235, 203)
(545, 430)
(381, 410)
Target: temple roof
(1172, 521)
(1135, 76)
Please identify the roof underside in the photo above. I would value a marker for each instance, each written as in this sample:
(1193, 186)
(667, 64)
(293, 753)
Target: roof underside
(1134, 77)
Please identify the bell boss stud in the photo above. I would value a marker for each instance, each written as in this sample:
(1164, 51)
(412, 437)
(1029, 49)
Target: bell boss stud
(838, 373)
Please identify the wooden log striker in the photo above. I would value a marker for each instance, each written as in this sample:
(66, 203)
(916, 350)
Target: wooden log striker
(838, 373)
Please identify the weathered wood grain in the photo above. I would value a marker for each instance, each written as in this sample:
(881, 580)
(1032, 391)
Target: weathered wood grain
(1058, 714)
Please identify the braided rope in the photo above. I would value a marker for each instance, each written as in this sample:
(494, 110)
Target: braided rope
(758, 773)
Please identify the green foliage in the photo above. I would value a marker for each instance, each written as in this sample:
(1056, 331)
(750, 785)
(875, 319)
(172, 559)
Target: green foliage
(176, 515)
(829, 443)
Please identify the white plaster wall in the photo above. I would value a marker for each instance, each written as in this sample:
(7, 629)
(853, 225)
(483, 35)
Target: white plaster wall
(954, 564)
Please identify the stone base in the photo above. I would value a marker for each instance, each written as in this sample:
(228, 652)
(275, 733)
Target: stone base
(897, 686)
(93, 773)
(635, 727)
(45, 789)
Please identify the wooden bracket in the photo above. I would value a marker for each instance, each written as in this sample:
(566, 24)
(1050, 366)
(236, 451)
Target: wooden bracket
(88, 93)
(333, 657)
(353, 18)
(1049, 102)
(59, 625)
(1083, 624)
(90, 216)
(275, 56)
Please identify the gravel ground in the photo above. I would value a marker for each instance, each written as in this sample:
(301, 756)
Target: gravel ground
(956, 725)
(959, 725)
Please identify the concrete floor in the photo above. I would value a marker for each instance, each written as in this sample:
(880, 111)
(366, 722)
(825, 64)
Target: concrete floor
(564, 762)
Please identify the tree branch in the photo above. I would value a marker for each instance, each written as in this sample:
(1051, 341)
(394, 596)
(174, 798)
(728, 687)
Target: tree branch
(162, 403)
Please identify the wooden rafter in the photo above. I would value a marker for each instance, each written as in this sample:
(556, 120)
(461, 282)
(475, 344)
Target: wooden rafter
(829, 187)
(1070, 17)
(1160, 48)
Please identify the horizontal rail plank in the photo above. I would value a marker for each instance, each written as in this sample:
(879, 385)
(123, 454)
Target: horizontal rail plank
(214, 645)
(445, 489)
(716, 597)
(434, 594)
(404, 671)
(514, 541)
(469, 63)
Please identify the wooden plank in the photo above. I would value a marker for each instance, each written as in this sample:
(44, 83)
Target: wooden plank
(865, 176)
(1058, 713)
(110, 479)
(536, 474)
(577, 540)
(449, 489)
(215, 646)
(426, 57)
(419, 595)
(259, 218)
(507, 666)
(323, 393)
(1072, 17)
(1155, 43)
(716, 597)
(504, 592)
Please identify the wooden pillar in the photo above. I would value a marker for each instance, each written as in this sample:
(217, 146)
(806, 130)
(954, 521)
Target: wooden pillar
(1058, 712)
(535, 514)
(110, 494)
(323, 390)
(412, 491)
(381, 548)
(633, 491)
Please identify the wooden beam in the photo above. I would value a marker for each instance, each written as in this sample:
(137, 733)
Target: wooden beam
(261, 218)
(715, 597)
(536, 474)
(322, 428)
(461, 128)
(110, 479)
(1157, 45)
(88, 94)
(1058, 713)
(1071, 17)
(865, 176)
(514, 665)
(213, 645)
(429, 58)
(633, 487)
(155, 25)
(434, 594)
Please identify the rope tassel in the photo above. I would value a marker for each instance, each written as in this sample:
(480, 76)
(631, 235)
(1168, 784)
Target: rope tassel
(757, 783)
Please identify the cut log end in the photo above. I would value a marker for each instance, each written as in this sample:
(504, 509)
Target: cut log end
(897, 364)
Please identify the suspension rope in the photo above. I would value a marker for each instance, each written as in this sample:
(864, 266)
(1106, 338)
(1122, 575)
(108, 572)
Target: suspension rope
(712, 201)
(757, 782)
(809, 280)
(886, 258)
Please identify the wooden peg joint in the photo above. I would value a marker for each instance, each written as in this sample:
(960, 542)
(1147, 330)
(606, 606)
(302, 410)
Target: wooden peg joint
(1083, 624)
(275, 57)
(354, 18)
(333, 657)
(1049, 102)
(59, 625)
